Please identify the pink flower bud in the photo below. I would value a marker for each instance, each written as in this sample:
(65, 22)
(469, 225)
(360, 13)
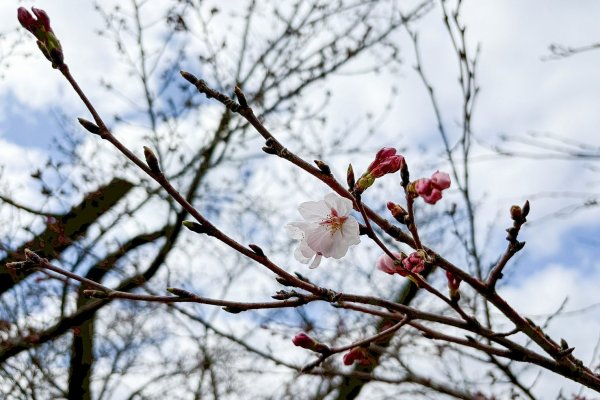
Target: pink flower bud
(384, 153)
(386, 162)
(25, 19)
(414, 263)
(357, 354)
(40, 28)
(392, 206)
(453, 285)
(453, 281)
(303, 340)
(386, 264)
(431, 189)
(42, 18)
(426, 190)
(306, 342)
(440, 180)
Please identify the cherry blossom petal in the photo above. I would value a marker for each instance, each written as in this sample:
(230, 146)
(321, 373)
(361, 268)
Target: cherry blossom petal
(313, 210)
(320, 239)
(315, 263)
(351, 231)
(386, 264)
(440, 180)
(339, 247)
(305, 252)
(295, 230)
(342, 205)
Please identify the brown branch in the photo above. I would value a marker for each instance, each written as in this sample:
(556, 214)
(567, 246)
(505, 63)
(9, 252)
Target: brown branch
(210, 229)
(64, 230)
(519, 216)
(100, 291)
(363, 342)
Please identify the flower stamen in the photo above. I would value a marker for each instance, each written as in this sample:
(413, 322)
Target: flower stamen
(334, 222)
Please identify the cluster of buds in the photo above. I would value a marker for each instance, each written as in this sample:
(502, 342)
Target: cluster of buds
(431, 189)
(359, 355)
(404, 264)
(415, 262)
(386, 162)
(306, 342)
(39, 26)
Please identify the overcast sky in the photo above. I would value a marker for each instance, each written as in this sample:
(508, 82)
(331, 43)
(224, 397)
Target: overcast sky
(521, 92)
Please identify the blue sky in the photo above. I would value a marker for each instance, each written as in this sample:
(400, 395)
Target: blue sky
(520, 93)
(27, 127)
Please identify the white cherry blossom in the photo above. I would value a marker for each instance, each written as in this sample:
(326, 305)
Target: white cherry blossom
(328, 229)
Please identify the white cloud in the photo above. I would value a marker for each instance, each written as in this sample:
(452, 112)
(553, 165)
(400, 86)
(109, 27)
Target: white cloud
(541, 294)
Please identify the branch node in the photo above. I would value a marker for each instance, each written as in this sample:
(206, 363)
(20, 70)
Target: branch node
(32, 257)
(241, 97)
(180, 292)
(283, 281)
(89, 126)
(257, 250)
(323, 167)
(302, 277)
(152, 161)
(233, 310)
(189, 77)
(195, 227)
(350, 180)
(566, 352)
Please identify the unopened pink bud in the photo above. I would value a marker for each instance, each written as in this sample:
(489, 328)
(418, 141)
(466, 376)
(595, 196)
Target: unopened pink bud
(42, 18)
(306, 342)
(432, 196)
(303, 340)
(423, 186)
(414, 263)
(385, 152)
(431, 189)
(386, 264)
(25, 18)
(453, 286)
(40, 28)
(440, 180)
(39, 25)
(391, 205)
(357, 354)
(387, 166)
(386, 162)
(453, 281)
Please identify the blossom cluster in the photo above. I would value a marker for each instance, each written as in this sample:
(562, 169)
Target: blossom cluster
(39, 26)
(403, 264)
